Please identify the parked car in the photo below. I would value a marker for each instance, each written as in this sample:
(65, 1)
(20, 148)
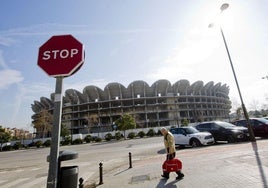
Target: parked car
(265, 117)
(189, 136)
(223, 131)
(259, 126)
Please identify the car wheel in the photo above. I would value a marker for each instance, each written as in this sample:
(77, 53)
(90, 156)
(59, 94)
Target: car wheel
(195, 143)
(231, 139)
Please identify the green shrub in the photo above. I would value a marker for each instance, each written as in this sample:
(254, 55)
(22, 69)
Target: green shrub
(17, 145)
(31, 144)
(78, 141)
(159, 133)
(7, 148)
(141, 134)
(97, 139)
(131, 135)
(118, 135)
(38, 143)
(47, 143)
(108, 137)
(88, 139)
(66, 141)
(150, 133)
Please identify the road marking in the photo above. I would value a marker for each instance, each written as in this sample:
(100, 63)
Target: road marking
(40, 183)
(16, 182)
(2, 181)
(34, 169)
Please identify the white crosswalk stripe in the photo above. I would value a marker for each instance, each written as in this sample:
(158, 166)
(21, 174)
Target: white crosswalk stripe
(16, 183)
(39, 179)
(37, 183)
(2, 181)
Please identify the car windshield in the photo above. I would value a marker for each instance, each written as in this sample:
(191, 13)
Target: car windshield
(225, 124)
(190, 130)
(263, 120)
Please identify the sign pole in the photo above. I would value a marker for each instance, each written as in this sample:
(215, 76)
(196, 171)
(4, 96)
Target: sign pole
(59, 57)
(52, 179)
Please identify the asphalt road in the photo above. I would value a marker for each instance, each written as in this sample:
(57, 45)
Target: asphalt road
(29, 168)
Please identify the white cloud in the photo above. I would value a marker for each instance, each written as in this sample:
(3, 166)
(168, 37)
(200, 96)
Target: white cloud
(9, 77)
(6, 41)
(36, 90)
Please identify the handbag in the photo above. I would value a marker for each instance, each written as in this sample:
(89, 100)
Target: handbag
(172, 165)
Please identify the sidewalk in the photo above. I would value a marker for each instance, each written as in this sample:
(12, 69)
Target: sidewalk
(220, 166)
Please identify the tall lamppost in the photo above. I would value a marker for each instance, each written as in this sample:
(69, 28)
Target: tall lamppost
(265, 77)
(251, 133)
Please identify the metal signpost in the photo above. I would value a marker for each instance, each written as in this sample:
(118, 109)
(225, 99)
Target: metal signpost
(61, 56)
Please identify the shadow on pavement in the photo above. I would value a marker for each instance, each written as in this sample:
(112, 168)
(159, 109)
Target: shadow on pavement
(121, 172)
(162, 184)
(162, 151)
(255, 149)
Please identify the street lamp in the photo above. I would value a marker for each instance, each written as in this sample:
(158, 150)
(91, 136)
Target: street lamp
(251, 133)
(265, 77)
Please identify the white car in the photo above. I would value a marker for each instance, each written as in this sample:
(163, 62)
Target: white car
(189, 136)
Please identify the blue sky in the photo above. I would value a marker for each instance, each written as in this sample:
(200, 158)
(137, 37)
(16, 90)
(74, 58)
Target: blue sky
(128, 40)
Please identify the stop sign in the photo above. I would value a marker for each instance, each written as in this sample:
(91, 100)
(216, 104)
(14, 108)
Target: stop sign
(61, 55)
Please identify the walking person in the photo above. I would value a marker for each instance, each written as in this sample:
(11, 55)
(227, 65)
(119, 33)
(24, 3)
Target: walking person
(170, 150)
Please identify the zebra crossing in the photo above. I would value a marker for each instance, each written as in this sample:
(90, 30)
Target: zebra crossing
(17, 179)
(23, 177)
(25, 183)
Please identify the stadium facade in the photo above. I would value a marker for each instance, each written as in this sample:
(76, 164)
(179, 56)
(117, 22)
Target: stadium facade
(160, 104)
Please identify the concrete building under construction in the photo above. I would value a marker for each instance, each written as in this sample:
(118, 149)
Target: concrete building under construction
(160, 104)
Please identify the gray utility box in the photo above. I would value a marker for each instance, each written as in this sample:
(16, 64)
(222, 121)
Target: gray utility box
(67, 175)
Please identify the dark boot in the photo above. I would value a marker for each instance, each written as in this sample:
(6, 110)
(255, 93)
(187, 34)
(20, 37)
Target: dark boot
(165, 175)
(180, 175)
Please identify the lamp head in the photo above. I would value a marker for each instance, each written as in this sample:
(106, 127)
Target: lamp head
(211, 25)
(224, 6)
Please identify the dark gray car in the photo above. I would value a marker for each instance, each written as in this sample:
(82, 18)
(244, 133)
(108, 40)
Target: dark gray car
(223, 131)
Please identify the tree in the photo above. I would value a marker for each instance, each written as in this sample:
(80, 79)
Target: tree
(64, 131)
(92, 120)
(125, 122)
(4, 136)
(255, 105)
(185, 122)
(239, 113)
(43, 124)
(235, 104)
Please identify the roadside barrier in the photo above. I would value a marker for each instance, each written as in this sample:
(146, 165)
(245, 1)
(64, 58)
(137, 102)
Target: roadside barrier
(81, 185)
(101, 174)
(130, 160)
(101, 171)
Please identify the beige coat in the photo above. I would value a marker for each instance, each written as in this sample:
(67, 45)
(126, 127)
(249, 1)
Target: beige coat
(169, 143)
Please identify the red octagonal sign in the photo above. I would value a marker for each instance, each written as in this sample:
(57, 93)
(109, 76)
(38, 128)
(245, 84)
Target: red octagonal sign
(61, 55)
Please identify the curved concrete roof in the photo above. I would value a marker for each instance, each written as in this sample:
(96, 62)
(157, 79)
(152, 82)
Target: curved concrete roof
(196, 87)
(92, 93)
(113, 90)
(181, 86)
(47, 102)
(74, 96)
(135, 88)
(138, 87)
